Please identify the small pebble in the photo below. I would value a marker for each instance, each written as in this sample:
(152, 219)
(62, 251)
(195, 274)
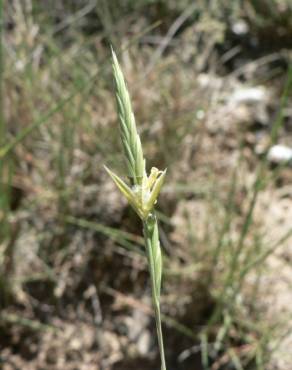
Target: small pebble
(280, 154)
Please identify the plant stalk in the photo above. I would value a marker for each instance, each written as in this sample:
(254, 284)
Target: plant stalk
(150, 228)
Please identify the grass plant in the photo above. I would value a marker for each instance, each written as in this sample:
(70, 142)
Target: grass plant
(143, 192)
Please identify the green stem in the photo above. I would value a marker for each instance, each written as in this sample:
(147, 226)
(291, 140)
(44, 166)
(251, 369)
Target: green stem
(159, 335)
(155, 268)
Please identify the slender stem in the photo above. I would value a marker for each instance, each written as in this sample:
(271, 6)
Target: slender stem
(155, 268)
(159, 335)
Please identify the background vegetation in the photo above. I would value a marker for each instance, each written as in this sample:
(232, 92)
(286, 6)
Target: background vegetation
(211, 89)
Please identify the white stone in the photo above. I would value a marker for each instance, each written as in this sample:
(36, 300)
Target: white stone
(249, 95)
(280, 154)
(240, 27)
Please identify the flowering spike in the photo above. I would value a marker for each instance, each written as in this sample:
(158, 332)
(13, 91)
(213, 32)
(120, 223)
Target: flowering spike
(130, 138)
(144, 193)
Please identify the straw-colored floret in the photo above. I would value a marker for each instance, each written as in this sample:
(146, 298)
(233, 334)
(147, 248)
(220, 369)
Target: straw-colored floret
(142, 197)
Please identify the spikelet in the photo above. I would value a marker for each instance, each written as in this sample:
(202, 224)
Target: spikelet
(143, 195)
(130, 138)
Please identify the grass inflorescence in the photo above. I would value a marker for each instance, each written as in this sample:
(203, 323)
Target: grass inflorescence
(142, 194)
